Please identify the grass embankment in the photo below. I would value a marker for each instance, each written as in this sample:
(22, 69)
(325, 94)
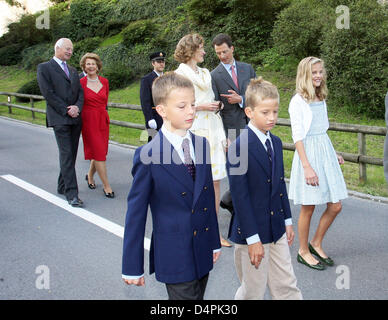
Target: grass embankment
(12, 78)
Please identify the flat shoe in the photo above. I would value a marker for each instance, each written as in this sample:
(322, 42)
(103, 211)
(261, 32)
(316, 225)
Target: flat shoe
(76, 202)
(328, 261)
(318, 266)
(109, 194)
(90, 185)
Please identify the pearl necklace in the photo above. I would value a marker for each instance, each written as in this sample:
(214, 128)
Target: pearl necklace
(92, 80)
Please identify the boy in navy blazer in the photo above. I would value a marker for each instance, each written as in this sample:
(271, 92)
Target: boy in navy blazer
(261, 226)
(172, 174)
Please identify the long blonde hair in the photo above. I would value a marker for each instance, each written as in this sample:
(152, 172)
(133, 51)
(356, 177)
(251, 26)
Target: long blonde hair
(304, 81)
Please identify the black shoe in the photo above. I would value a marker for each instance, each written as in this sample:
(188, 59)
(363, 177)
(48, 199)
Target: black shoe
(109, 194)
(76, 202)
(328, 261)
(227, 207)
(318, 266)
(90, 185)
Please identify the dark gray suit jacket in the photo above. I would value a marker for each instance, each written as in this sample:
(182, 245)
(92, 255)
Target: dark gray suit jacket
(233, 116)
(60, 92)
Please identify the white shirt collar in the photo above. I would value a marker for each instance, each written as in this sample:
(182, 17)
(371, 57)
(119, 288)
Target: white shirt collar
(176, 142)
(262, 136)
(59, 61)
(158, 74)
(229, 66)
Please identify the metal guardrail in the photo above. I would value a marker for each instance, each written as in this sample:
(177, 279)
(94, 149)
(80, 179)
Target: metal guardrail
(362, 130)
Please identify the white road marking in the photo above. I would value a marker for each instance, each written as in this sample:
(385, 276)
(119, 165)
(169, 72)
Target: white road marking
(79, 212)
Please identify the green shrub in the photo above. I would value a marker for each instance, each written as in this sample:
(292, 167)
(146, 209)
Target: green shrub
(34, 55)
(141, 31)
(272, 60)
(118, 74)
(82, 47)
(357, 59)
(10, 55)
(31, 87)
(299, 28)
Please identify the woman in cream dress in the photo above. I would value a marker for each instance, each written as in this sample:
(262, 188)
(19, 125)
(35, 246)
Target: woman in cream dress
(207, 123)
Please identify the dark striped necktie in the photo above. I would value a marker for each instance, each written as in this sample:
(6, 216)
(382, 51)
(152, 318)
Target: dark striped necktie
(188, 161)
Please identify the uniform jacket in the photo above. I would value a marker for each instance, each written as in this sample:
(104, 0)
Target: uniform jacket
(146, 101)
(260, 200)
(185, 229)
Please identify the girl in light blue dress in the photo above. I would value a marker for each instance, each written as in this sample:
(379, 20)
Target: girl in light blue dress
(316, 176)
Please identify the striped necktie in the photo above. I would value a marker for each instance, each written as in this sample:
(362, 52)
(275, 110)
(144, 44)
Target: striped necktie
(188, 161)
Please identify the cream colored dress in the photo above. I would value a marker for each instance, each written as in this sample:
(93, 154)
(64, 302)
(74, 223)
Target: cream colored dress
(207, 124)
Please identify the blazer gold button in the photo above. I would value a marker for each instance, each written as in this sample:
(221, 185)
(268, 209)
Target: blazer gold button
(281, 178)
(269, 180)
(271, 213)
(206, 229)
(192, 211)
(281, 194)
(205, 188)
(195, 233)
(204, 209)
(183, 194)
(281, 210)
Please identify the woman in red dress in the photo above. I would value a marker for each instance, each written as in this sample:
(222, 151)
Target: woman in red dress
(95, 121)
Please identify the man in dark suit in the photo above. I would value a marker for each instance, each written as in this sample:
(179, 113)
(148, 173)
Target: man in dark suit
(153, 120)
(229, 81)
(60, 86)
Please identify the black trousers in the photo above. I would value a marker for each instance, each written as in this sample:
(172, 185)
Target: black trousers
(67, 137)
(191, 290)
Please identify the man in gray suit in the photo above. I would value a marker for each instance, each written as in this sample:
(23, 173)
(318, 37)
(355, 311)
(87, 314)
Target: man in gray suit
(386, 140)
(229, 81)
(60, 86)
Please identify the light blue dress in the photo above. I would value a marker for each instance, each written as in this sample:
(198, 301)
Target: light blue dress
(323, 159)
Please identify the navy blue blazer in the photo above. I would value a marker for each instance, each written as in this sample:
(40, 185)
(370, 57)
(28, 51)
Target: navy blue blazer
(185, 229)
(260, 200)
(147, 104)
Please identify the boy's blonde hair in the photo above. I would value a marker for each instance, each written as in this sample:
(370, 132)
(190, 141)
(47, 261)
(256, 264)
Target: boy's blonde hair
(163, 85)
(259, 90)
(304, 80)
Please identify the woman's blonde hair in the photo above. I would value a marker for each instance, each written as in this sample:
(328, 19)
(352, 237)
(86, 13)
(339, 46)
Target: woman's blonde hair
(93, 56)
(187, 46)
(304, 80)
(259, 90)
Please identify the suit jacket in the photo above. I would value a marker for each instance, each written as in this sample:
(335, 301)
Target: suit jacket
(233, 116)
(60, 92)
(185, 229)
(147, 104)
(260, 201)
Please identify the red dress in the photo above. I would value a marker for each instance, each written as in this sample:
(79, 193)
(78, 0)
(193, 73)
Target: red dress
(95, 121)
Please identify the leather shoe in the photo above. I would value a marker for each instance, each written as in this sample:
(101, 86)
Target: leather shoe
(75, 202)
(227, 207)
(328, 261)
(109, 194)
(90, 185)
(318, 266)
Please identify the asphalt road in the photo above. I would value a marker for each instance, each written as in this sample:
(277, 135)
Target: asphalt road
(51, 251)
